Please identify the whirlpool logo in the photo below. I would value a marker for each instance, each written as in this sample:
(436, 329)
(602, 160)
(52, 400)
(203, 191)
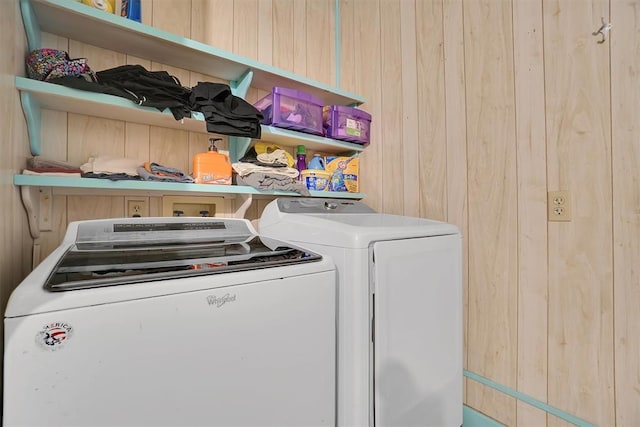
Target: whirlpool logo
(220, 301)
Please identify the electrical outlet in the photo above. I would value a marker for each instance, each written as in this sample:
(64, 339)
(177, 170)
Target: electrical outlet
(137, 208)
(559, 206)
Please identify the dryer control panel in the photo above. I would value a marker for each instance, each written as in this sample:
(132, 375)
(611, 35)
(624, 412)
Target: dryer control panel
(323, 206)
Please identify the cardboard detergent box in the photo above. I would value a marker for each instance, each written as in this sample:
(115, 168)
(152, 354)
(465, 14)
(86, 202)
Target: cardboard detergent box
(344, 173)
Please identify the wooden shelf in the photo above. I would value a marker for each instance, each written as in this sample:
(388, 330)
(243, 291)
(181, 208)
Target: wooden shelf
(61, 98)
(87, 186)
(98, 28)
(85, 24)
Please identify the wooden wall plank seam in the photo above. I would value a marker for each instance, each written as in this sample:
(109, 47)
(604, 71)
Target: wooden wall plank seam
(532, 372)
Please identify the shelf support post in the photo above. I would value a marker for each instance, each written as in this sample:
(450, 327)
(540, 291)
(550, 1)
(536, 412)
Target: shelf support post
(238, 146)
(31, 27)
(32, 115)
(38, 203)
(241, 211)
(240, 87)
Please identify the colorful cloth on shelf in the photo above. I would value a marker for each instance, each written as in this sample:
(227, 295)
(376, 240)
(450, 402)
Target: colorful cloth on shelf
(46, 64)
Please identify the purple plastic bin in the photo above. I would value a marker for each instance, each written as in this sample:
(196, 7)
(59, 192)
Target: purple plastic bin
(346, 124)
(292, 109)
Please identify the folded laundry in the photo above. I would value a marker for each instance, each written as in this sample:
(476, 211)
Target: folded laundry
(264, 181)
(268, 148)
(275, 157)
(252, 157)
(244, 169)
(157, 89)
(225, 113)
(111, 176)
(157, 172)
(111, 165)
(50, 172)
(43, 162)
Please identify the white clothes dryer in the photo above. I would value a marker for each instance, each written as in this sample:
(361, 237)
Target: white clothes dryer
(172, 322)
(400, 333)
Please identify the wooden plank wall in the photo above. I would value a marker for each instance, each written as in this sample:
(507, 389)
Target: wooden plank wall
(479, 109)
(15, 242)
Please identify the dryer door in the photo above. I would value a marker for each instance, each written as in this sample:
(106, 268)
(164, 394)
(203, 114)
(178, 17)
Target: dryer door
(418, 332)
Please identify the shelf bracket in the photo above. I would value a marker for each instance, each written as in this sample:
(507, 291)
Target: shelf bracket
(240, 87)
(31, 109)
(247, 199)
(238, 146)
(31, 27)
(38, 203)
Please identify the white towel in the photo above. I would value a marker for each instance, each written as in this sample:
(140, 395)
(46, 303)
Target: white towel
(112, 165)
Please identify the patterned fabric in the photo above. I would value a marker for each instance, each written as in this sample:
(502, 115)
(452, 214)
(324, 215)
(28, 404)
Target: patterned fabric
(46, 64)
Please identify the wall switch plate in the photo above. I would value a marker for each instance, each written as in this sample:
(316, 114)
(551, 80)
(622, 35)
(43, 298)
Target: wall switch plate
(559, 206)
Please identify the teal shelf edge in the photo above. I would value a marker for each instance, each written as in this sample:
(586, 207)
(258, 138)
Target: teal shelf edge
(80, 22)
(77, 183)
(62, 98)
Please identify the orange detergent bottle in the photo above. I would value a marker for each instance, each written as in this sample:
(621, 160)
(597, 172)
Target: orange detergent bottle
(212, 167)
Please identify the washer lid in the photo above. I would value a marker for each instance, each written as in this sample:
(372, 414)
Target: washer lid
(340, 223)
(107, 253)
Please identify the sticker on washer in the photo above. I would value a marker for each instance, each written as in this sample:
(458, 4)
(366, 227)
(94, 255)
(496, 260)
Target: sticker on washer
(54, 336)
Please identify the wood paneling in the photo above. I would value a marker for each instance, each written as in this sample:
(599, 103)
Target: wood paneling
(411, 139)
(212, 23)
(282, 44)
(625, 117)
(580, 357)
(491, 151)
(532, 211)
(245, 25)
(456, 207)
(368, 70)
(320, 42)
(429, 123)
(391, 161)
(15, 247)
(172, 16)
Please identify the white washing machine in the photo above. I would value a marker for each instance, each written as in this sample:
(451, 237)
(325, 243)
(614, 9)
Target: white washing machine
(172, 322)
(400, 333)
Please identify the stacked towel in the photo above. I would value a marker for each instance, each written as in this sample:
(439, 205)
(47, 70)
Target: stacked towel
(157, 172)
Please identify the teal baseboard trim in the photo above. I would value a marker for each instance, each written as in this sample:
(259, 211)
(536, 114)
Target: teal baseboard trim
(473, 418)
(528, 400)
